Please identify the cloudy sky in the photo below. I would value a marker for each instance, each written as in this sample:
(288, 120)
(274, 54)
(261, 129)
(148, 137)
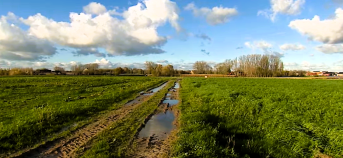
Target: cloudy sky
(306, 34)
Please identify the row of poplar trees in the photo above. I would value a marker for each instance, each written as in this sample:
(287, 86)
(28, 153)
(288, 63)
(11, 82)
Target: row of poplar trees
(254, 65)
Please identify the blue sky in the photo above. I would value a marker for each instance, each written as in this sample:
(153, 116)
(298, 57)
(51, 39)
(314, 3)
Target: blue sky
(40, 33)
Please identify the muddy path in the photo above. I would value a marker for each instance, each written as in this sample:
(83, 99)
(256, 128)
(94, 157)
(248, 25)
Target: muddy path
(154, 139)
(67, 147)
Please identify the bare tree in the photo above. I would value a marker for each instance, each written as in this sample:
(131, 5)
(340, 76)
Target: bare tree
(201, 67)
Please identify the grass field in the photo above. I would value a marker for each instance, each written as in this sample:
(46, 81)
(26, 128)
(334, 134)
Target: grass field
(242, 117)
(33, 108)
(220, 117)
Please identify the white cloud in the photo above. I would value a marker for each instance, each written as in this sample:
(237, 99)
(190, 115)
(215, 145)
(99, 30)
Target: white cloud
(214, 16)
(330, 48)
(293, 47)
(16, 44)
(327, 31)
(258, 44)
(134, 34)
(308, 66)
(94, 8)
(104, 63)
(287, 7)
(265, 46)
(164, 62)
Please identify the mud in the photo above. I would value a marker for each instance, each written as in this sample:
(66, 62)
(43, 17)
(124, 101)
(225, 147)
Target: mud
(144, 95)
(153, 140)
(67, 147)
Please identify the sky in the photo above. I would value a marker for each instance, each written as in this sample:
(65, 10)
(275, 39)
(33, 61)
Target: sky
(306, 35)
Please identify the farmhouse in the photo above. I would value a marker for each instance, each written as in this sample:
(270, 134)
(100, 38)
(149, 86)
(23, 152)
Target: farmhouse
(328, 74)
(340, 74)
(43, 71)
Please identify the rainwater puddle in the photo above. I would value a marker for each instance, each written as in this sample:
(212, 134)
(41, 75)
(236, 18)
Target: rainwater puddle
(177, 85)
(152, 91)
(171, 102)
(160, 124)
(143, 95)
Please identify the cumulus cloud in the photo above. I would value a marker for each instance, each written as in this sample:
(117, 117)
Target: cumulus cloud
(104, 63)
(16, 44)
(94, 8)
(162, 62)
(89, 51)
(133, 34)
(330, 48)
(203, 36)
(328, 31)
(214, 16)
(265, 46)
(287, 7)
(293, 47)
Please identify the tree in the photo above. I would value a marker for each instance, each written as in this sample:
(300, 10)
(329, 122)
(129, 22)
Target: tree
(150, 67)
(201, 67)
(168, 70)
(118, 71)
(59, 70)
(224, 68)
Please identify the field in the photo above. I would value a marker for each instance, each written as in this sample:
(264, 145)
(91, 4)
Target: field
(260, 118)
(94, 116)
(34, 108)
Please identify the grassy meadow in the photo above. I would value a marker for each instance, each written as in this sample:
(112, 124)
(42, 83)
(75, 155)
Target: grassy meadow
(220, 117)
(242, 117)
(33, 108)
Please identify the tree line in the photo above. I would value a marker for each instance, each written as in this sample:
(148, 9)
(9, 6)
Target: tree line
(254, 65)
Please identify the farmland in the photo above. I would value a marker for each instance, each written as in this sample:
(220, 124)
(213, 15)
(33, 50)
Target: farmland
(260, 118)
(34, 108)
(93, 116)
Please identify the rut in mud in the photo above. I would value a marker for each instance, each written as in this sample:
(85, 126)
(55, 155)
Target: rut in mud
(68, 146)
(153, 140)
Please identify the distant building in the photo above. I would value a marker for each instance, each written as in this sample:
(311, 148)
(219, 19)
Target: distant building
(328, 74)
(340, 74)
(43, 71)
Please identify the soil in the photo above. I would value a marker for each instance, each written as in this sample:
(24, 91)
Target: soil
(66, 147)
(153, 147)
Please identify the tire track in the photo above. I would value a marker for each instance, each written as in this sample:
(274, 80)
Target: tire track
(68, 146)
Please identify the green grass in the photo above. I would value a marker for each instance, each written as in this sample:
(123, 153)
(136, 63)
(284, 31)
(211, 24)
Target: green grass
(115, 140)
(244, 117)
(34, 108)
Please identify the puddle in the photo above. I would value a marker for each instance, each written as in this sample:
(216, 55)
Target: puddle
(159, 125)
(171, 102)
(177, 85)
(152, 91)
(143, 95)
(136, 101)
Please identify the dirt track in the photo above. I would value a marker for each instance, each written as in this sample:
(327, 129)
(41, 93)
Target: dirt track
(153, 147)
(66, 147)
